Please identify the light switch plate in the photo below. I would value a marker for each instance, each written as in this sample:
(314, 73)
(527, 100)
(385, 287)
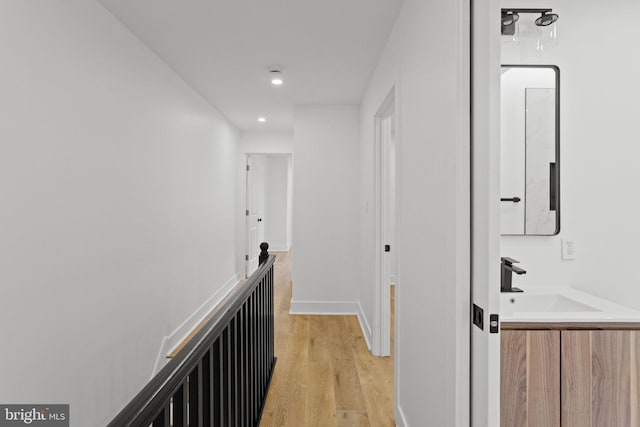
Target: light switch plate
(568, 248)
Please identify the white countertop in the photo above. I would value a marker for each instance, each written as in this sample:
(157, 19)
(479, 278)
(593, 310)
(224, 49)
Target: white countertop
(561, 305)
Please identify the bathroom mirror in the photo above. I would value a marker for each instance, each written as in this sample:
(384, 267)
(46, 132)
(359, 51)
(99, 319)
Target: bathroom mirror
(530, 150)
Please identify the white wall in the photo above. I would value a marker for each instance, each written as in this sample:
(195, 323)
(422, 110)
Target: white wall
(426, 61)
(599, 92)
(117, 186)
(325, 228)
(267, 142)
(277, 209)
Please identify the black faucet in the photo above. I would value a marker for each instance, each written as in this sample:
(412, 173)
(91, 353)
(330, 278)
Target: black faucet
(506, 268)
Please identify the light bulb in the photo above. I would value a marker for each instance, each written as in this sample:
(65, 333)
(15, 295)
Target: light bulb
(276, 77)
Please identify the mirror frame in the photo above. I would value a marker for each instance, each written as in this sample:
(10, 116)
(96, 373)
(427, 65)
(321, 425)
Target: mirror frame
(556, 187)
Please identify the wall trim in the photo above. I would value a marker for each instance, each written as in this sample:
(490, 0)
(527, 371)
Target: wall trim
(279, 248)
(324, 308)
(364, 325)
(401, 420)
(161, 358)
(173, 340)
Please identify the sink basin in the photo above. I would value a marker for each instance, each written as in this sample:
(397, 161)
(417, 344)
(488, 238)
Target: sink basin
(562, 304)
(549, 303)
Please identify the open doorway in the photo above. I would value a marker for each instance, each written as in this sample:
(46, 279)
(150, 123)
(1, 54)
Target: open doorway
(268, 205)
(385, 224)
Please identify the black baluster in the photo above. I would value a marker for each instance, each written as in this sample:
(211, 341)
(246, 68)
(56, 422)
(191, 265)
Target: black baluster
(194, 397)
(233, 366)
(180, 406)
(164, 417)
(226, 387)
(204, 391)
(218, 383)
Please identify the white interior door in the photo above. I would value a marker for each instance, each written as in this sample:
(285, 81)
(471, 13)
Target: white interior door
(253, 215)
(485, 251)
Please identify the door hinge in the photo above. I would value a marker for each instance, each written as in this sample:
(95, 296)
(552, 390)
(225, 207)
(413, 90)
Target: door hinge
(248, 168)
(246, 257)
(387, 248)
(247, 212)
(494, 324)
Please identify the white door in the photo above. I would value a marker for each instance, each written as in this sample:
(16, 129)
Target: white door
(254, 221)
(485, 251)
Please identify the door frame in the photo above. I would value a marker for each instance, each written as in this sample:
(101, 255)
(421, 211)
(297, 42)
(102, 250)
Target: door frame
(248, 244)
(485, 209)
(381, 345)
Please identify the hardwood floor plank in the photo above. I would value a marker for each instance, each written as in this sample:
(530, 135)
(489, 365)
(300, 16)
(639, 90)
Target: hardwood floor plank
(320, 409)
(377, 391)
(353, 419)
(346, 383)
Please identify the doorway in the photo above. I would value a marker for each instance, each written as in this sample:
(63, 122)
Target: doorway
(268, 205)
(385, 223)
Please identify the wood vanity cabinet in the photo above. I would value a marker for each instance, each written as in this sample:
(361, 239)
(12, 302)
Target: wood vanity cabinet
(530, 378)
(570, 378)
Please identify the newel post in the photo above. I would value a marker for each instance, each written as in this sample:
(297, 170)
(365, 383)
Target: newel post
(264, 254)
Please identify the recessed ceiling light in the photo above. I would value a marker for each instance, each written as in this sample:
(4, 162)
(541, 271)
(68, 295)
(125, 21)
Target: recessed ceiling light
(262, 119)
(276, 77)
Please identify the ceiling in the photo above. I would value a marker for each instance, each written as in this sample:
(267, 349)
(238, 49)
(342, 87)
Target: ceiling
(328, 50)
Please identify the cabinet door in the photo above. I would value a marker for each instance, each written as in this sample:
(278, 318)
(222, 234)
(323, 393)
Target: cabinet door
(600, 376)
(530, 378)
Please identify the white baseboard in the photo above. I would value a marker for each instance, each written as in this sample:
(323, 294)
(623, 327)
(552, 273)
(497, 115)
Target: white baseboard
(324, 308)
(173, 340)
(364, 325)
(401, 420)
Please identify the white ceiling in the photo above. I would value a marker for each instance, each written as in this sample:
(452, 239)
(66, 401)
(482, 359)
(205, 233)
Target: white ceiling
(222, 48)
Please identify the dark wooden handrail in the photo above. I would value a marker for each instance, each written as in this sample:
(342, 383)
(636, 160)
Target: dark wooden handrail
(222, 375)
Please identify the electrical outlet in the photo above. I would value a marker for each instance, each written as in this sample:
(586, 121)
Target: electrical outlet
(568, 249)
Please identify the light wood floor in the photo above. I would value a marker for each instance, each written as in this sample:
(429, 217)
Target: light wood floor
(325, 375)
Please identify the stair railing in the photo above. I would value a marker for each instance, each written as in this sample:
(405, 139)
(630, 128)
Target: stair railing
(222, 375)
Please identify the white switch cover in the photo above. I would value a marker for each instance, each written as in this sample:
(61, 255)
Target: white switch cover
(568, 249)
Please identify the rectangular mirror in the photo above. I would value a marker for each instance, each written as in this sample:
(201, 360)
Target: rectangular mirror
(530, 150)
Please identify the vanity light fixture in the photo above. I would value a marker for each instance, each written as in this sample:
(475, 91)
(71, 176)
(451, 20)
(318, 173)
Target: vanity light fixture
(510, 18)
(262, 119)
(546, 19)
